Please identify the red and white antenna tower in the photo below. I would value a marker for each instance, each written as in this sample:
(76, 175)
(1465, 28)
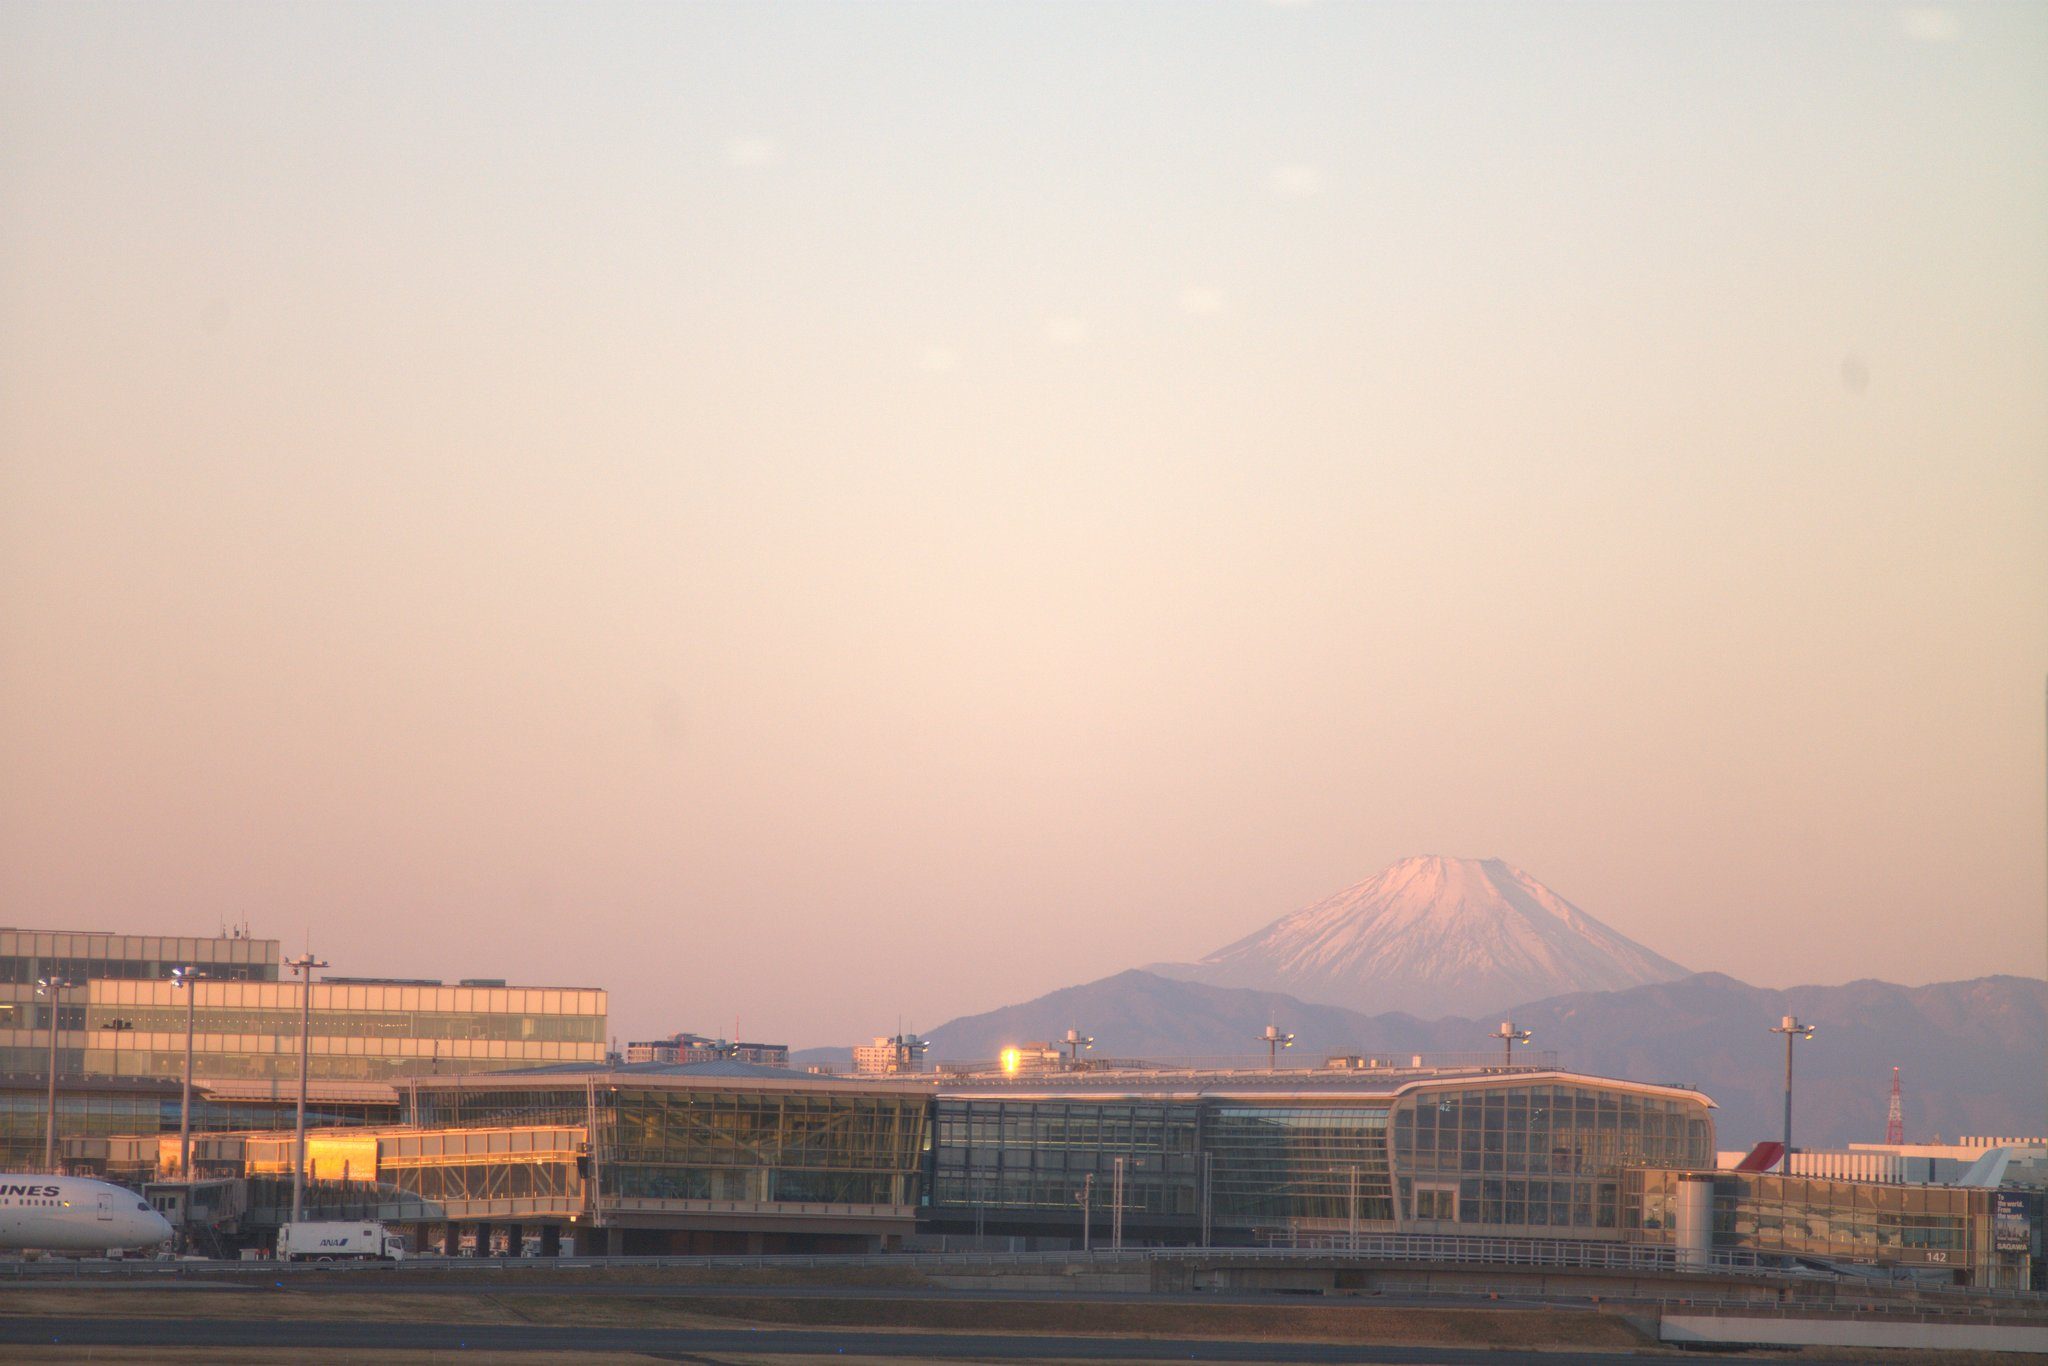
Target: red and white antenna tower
(1895, 1118)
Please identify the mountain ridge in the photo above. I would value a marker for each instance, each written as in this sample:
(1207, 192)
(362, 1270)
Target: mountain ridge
(1968, 1049)
(1433, 934)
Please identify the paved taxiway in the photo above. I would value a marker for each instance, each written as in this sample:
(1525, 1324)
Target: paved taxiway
(683, 1342)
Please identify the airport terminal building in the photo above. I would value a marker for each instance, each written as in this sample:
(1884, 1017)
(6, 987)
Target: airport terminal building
(650, 1158)
(123, 1016)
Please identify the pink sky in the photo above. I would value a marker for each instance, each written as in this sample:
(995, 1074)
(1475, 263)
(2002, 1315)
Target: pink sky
(826, 514)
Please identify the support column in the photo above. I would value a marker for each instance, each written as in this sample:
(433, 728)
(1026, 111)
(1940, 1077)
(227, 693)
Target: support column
(483, 1240)
(515, 1240)
(550, 1240)
(615, 1241)
(451, 1239)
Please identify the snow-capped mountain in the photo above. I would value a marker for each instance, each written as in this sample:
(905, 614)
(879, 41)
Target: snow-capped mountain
(1434, 936)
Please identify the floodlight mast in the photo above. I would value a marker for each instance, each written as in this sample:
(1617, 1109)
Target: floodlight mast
(182, 978)
(1792, 1029)
(1509, 1037)
(304, 965)
(52, 987)
(1275, 1041)
(1074, 1043)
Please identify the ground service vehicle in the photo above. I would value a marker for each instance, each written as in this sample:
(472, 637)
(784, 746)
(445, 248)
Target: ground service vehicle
(362, 1241)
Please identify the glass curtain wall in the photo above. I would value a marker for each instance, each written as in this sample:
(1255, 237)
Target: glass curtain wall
(1542, 1156)
(691, 1143)
(1858, 1221)
(1284, 1165)
(1038, 1155)
(773, 1146)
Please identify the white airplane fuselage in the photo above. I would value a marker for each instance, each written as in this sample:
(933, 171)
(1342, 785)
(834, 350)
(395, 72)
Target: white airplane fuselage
(74, 1214)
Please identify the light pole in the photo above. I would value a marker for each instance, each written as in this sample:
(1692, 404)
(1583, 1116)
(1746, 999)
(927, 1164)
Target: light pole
(1087, 1199)
(117, 1028)
(1275, 1041)
(1208, 1197)
(1509, 1037)
(1116, 1207)
(304, 965)
(51, 987)
(1791, 1029)
(182, 979)
(1074, 1043)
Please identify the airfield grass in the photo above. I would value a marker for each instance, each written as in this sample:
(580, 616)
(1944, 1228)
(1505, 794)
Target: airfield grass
(1523, 1328)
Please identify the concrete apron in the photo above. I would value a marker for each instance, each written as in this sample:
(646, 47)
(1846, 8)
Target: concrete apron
(1740, 1330)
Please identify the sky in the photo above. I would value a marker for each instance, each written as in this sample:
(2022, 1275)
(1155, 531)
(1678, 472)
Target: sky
(817, 517)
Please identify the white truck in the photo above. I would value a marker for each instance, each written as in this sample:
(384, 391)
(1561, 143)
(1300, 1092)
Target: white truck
(333, 1242)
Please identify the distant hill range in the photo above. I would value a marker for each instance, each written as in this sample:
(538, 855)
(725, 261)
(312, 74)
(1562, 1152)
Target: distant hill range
(1429, 955)
(1970, 1052)
(1433, 936)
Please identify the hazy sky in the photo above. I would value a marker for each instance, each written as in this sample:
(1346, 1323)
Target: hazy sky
(817, 513)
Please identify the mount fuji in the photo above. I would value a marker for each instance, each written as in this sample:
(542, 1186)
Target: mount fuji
(1433, 936)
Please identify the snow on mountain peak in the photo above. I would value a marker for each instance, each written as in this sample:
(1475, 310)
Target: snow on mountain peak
(1435, 936)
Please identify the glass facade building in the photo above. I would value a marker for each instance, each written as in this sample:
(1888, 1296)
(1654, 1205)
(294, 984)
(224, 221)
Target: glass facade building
(1535, 1153)
(1032, 1156)
(100, 1109)
(1543, 1154)
(361, 1030)
(1945, 1228)
(661, 1133)
(1289, 1166)
(27, 956)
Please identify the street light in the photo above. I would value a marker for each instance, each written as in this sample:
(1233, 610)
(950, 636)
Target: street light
(1791, 1029)
(304, 965)
(1087, 1202)
(117, 1028)
(1275, 1041)
(182, 979)
(51, 987)
(1509, 1037)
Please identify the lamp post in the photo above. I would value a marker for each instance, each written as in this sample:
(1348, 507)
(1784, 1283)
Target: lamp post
(304, 965)
(1275, 1041)
(1087, 1199)
(1791, 1029)
(51, 987)
(1509, 1037)
(1208, 1198)
(117, 1028)
(1116, 1209)
(182, 979)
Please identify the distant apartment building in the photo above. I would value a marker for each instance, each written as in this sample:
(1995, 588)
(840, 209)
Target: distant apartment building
(688, 1048)
(890, 1054)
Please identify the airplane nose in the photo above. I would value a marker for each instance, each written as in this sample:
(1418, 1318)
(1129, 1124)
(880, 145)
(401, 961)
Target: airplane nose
(154, 1229)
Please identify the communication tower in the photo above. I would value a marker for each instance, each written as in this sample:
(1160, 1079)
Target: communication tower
(1895, 1118)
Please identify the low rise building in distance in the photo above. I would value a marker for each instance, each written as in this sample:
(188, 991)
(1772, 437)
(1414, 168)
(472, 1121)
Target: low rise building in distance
(890, 1054)
(690, 1048)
